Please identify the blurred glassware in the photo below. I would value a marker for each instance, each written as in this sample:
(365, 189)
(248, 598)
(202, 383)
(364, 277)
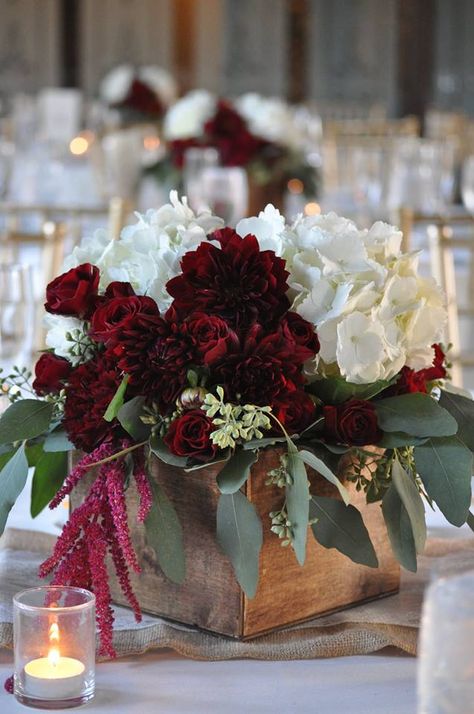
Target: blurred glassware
(17, 315)
(7, 151)
(467, 184)
(446, 659)
(25, 120)
(225, 190)
(196, 161)
(122, 162)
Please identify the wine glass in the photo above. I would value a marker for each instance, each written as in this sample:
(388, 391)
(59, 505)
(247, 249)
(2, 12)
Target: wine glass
(196, 160)
(467, 184)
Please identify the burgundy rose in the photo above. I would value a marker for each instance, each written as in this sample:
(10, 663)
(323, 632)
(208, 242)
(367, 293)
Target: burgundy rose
(50, 373)
(212, 336)
(118, 289)
(297, 413)
(121, 313)
(189, 436)
(227, 130)
(73, 293)
(353, 423)
(238, 282)
(301, 331)
(90, 389)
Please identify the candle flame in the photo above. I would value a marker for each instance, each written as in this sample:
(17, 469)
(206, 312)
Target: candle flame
(53, 656)
(54, 632)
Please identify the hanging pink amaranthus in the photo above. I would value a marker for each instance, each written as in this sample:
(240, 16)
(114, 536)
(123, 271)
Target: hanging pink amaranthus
(96, 528)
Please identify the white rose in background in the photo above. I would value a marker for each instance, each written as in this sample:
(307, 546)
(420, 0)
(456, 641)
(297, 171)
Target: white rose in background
(187, 117)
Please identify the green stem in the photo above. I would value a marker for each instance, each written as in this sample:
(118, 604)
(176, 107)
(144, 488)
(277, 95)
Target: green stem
(119, 453)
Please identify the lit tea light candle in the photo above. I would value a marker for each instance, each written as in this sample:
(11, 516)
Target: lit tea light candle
(54, 676)
(54, 646)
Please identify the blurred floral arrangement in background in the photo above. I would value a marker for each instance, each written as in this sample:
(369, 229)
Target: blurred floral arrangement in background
(138, 93)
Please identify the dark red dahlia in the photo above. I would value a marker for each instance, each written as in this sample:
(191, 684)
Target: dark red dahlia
(90, 389)
(237, 281)
(157, 358)
(265, 370)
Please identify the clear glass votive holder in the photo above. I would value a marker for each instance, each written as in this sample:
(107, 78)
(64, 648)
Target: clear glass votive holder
(54, 646)
(446, 651)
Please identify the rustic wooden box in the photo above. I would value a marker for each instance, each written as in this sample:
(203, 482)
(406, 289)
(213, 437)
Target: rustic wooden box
(210, 597)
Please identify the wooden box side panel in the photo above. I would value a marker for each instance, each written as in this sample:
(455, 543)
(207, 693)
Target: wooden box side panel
(288, 592)
(210, 596)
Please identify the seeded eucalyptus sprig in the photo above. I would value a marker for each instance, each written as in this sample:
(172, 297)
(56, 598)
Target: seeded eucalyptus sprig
(15, 384)
(234, 422)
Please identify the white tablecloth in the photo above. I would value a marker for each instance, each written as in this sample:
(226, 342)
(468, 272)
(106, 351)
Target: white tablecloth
(163, 682)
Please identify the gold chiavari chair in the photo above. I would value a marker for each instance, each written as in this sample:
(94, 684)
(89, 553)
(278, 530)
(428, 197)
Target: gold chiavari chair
(49, 242)
(448, 236)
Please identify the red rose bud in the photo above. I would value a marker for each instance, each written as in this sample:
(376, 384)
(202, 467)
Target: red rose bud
(353, 423)
(122, 313)
(301, 331)
(297, 413)
(73, 293)
(189, 436)
(50, 373)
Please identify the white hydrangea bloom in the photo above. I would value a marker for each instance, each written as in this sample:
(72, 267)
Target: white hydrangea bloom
(269, 228)
(372, 311)
(270, 118)
(58, 337)
(186, 118)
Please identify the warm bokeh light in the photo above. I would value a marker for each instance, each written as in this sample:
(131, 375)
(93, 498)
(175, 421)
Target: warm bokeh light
(78, 145)
(295, 185)
(312, 209)
(151, 143)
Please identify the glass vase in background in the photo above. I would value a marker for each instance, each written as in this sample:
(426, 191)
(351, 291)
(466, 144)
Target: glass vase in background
(446, 651)
(17, 315)
(226, 192)
(196, 161)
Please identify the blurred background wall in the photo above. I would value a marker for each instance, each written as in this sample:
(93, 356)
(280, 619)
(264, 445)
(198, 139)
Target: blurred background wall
(402, 54)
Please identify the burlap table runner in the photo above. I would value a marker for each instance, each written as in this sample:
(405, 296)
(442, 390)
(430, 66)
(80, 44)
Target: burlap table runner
(391, 621)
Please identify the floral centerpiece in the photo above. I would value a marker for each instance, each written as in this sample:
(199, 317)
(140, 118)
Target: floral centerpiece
(195, 344)
(139, 94)
(266, 136)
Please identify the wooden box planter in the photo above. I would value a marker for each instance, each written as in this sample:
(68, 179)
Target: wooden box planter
(210, 597)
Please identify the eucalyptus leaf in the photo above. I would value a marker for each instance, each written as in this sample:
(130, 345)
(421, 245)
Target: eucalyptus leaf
(57, 441)
(34, 452)
(239, 534)
(336, 390)
(297, 502)
(470, 520)
(262, 443)
(236, 471)
(415, 414)
(117, 400)
(25, 419)
(12, 482)
(159, 448)
(341, 527)
(445, 467)
(399, 529)
(164, 534)
(319, 466)
(462, 409)
(397, 440)
(50, 472)
(129, 417)
(412, 501)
